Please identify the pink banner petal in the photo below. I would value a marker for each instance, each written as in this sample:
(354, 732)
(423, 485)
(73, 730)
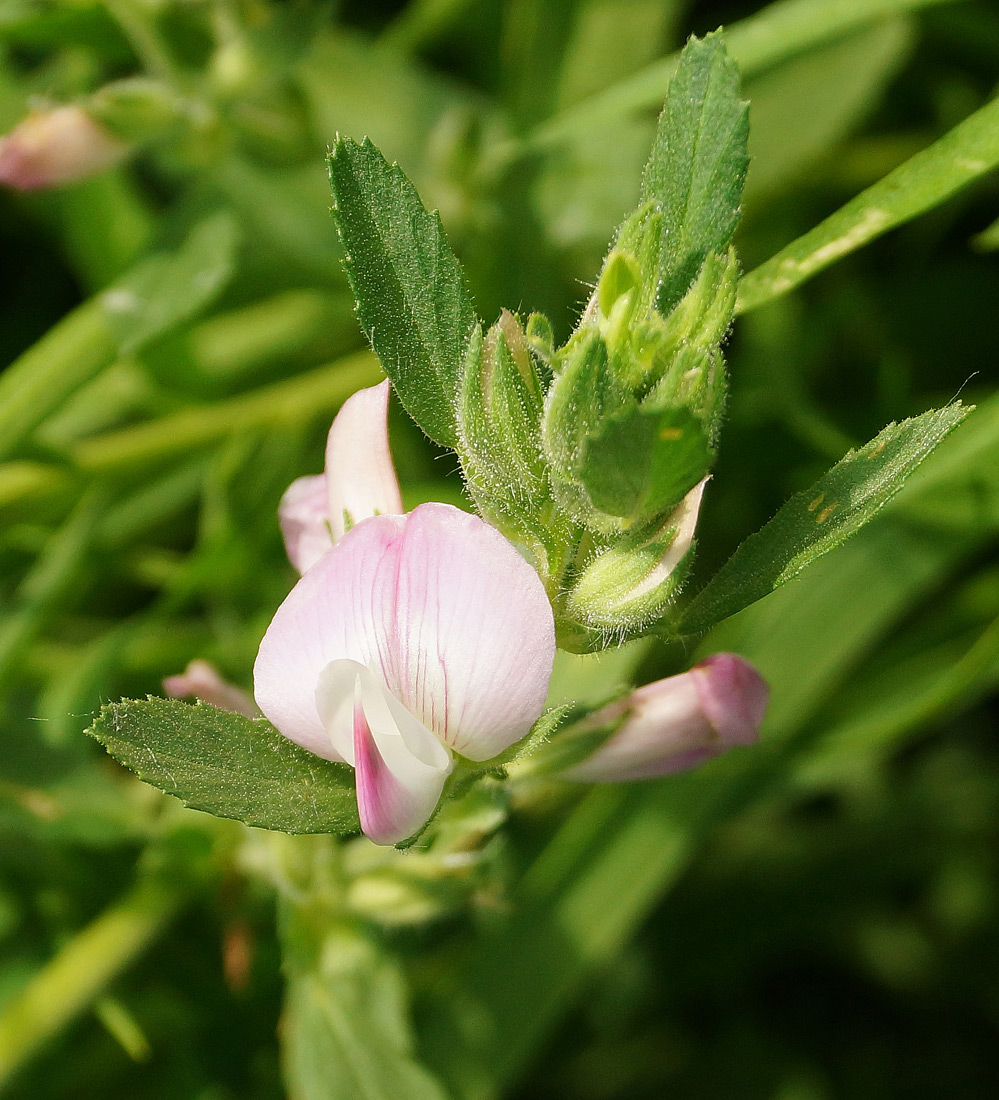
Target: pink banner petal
(440, 607)
(470, 642)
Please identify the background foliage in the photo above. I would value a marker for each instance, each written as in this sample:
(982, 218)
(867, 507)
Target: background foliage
(815, 919)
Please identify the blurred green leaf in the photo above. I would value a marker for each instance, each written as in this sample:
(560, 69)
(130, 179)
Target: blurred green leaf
(72, 981)
(412, 300)
(160, 293)
(228, 765)
(821, 518)
(921, 183)
(359, 89)
(697, 166)
(801, 109)
(988, 239)
(168, 289)
(348, 1036)
(778, 31)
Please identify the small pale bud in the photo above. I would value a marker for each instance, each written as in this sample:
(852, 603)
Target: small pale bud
(49, 148)
(200, 680)
(629, 584)
(677, 723)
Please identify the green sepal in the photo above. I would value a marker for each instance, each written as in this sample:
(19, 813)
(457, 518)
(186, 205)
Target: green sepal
(640, 461)
(499, 431)
(581, 395)
(625, 588)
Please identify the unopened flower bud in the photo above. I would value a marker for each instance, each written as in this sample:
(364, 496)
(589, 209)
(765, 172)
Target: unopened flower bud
(499, 428)
(49, 148)
(629, 584)
(200, 680)
(677, 723)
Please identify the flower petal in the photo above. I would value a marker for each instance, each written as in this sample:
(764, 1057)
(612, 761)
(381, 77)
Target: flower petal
(401, 767)
(58, 146)
(440, 607)
(734, 697)
(469, 645)
(325, 618)
(360, 477)
(304, 518)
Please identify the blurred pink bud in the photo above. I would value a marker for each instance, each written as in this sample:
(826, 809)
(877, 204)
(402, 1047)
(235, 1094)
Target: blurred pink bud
(201, 681)
(49, 148)
(359, 481)
(414, 638)
(678, 723)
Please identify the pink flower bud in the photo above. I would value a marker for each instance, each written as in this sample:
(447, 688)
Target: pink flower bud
(49, 148)
(201, 681)
(678, 723)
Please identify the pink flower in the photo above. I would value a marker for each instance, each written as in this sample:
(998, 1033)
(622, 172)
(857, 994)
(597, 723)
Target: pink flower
(678, 723)
(414, 640)
(359, 481)
(53, 147)
(201, 680)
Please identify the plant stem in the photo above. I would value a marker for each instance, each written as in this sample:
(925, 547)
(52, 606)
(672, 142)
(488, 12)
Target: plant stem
(142, 35)
(288, 402)
(39, 381)
(75, 978)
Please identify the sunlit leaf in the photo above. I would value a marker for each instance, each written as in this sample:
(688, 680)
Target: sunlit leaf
(697, 166)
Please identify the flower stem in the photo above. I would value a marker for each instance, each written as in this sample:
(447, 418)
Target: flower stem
(76, 977)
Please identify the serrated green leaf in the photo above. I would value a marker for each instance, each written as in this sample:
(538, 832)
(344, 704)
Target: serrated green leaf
(228, 765)
(412, 299)
(640, 462)
(822, 517)
(697, 166)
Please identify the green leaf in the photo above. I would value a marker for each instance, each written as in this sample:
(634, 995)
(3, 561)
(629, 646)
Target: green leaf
(697, 166)
(803, 109)
(921, 183)
(228, 765)
(347, 1033)
(821, 518)
(640, 462)
(776, 33)
(168, 289)
(412, 300)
